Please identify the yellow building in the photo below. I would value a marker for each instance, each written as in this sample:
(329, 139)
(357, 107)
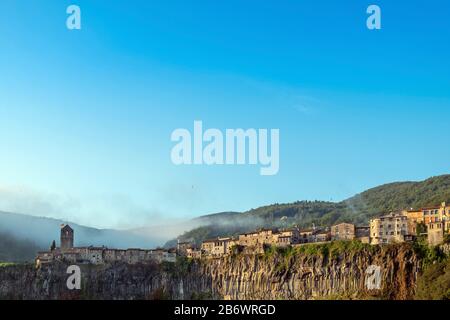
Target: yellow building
(414, 217)
(429, 214)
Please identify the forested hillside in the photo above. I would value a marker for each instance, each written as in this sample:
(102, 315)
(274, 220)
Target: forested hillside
(16, 250)
(357, 209)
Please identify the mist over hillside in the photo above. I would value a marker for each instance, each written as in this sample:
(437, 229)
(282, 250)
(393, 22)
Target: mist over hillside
(42, 231)
(13, 249)
(358, 209)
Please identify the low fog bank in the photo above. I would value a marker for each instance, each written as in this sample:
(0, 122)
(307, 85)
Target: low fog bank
(42, 231)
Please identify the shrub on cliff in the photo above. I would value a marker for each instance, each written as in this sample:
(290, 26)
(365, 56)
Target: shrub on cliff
(447, 238)
(6, 264)
(181, 267)
(434, 283)
(332, 249)
(428, 254)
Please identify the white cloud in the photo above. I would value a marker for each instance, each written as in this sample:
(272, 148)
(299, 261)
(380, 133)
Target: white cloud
(102, 211)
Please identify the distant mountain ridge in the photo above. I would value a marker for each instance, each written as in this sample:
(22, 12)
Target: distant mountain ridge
(36, 233)
(358, 209)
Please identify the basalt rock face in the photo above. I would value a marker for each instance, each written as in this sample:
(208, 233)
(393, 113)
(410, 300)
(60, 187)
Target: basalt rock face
(318, 276)
(242, 276)
(110, 282)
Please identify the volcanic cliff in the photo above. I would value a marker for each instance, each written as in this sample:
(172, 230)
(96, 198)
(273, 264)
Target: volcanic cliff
(329, 271)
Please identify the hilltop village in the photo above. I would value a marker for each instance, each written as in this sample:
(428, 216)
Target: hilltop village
(395, 227)
(99, 255)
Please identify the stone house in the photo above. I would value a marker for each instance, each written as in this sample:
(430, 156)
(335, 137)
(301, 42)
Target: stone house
(321, 235)
(193, 253)
(182, 247)
(259, 237)
(389, 228)
(283, 241)
(217, 247)
(343, 231)
(306, 236)
(288, 236)
(362, 233)
(437, 231)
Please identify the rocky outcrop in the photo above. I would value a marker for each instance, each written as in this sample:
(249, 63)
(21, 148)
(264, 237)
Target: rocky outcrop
(110, 282)
(290, 274)
(316, 276)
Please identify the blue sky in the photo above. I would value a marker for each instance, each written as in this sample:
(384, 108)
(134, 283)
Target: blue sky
(86, 116)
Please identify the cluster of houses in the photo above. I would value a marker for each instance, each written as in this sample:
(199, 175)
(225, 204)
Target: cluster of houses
(99, 255)
(274, 237)
(394, 227)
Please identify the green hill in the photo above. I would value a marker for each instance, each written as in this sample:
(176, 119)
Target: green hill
(357, 209)
(13, 249)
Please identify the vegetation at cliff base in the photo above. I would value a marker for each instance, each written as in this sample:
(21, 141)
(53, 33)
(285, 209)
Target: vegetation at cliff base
(434, 283)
